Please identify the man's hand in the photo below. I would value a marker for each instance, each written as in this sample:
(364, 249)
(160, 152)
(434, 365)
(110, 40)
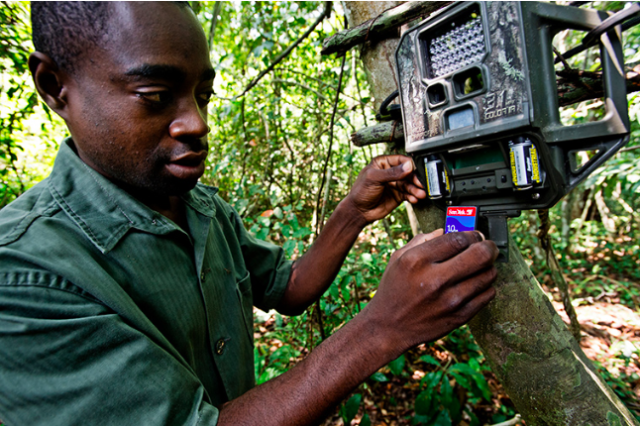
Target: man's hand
(383, 185)
(433, 285)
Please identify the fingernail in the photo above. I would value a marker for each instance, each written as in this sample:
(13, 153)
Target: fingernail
(482, 238)
(408, 166)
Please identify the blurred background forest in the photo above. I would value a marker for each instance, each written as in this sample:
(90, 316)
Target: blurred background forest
(269, 147)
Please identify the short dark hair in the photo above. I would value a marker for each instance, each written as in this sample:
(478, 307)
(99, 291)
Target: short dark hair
(65, 30)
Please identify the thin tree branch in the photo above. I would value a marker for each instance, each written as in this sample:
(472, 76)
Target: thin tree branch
(382, 26)
(380, 133)
(556, 272)
(214, 21)
(295, 83)
(359, 100)
(328, 158)
(630, 148)
(325, 14)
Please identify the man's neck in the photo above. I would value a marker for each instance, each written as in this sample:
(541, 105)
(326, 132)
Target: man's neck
(171, 207)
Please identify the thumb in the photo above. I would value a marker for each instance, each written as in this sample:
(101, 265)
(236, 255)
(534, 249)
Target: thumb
(391, 174)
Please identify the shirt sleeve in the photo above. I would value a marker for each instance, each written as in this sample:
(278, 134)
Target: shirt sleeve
(65, 359)
(267, 264)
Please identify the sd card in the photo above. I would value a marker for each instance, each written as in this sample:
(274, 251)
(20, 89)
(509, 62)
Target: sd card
(460, 219)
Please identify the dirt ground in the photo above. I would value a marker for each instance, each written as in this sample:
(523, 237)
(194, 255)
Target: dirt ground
(610, 332)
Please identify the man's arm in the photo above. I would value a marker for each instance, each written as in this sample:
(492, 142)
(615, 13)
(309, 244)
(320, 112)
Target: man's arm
(430, 287)
(380, 188)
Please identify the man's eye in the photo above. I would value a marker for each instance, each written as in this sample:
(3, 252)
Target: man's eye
(156, 97)
(205, 96)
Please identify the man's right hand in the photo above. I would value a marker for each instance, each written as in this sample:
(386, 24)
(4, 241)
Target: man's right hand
(433, 285)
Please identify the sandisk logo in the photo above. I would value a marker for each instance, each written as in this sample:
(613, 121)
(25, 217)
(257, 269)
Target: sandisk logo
(461, 211)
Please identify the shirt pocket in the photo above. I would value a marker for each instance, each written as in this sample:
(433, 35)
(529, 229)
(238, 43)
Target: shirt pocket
(245, 294)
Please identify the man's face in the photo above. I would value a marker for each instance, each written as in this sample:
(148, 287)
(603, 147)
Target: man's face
(137, 107)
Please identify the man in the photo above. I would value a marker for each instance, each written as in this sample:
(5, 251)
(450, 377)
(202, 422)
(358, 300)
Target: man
(126, 288)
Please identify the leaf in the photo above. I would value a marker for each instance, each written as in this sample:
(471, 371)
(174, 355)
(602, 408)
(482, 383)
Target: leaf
(476, 376)
(423, 403)
(351, 408)
(397, 365)
(446, 392)
(262, 234)
(289, 247)
(461, 380)
(429, 360)
(379, 377)
(366, 421)
(302, 232)
(431, 380)
(455, 412)
(463, 368)
(443, 419)
(474, 419)
(277, 212)
(482, 384)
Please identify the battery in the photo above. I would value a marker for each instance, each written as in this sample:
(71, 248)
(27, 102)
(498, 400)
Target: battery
(525, 167)
(437, 178)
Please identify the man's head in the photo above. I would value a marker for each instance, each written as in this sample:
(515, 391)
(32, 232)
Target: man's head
(66, 31)
(132, 81)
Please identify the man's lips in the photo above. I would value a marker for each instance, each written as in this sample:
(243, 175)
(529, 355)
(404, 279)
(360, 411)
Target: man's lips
(187, 166)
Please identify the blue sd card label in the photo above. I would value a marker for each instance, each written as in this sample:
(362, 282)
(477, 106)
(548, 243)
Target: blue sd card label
(460, 219)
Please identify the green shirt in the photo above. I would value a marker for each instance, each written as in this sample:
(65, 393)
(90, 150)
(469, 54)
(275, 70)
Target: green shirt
(111, 314)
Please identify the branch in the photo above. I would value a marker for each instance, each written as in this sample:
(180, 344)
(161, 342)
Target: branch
(319, 223)
(577, 86)
(325, 14)
(556, 272)
(383, 26)
(295, 83)
(324, 83)
(383, 132)
(214, 20)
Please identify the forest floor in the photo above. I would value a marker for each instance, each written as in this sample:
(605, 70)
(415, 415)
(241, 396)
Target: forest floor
(609, 331)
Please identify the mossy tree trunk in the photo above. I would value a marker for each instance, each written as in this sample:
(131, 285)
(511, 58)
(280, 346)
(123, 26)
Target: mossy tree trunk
(528, 346)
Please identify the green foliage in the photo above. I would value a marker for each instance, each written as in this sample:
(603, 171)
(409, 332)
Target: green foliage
(349, 410)
(22, 118)
(449, 390)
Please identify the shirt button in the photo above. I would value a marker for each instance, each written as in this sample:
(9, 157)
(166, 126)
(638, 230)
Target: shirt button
(202, 276)
(220, 344)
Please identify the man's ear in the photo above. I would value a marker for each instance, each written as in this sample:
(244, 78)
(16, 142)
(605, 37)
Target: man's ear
(50, 82)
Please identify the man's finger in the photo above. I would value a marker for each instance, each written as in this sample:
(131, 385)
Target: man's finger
(417, 182)
(418, 239)
(389, 161)
(476, 257)
(407, 188)
(468, 289)
(390, 174)
(475, 305)
(445, 247)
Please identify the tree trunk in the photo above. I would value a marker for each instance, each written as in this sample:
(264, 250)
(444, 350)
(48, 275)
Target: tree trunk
(527, 345)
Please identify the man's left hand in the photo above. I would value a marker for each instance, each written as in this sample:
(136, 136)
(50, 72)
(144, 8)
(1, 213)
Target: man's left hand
(383, 185)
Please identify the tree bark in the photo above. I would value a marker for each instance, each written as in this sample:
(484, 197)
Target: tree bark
(526, 343)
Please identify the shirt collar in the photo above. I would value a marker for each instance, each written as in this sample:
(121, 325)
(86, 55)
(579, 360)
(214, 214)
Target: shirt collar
(103, 211)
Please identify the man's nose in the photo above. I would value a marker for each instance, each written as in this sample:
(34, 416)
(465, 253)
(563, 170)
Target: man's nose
(190, 121)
